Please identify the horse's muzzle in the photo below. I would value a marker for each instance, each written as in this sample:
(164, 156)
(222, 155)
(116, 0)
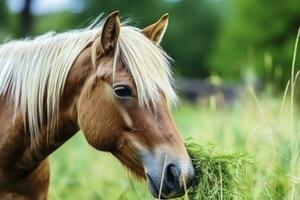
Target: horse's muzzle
(170, 179)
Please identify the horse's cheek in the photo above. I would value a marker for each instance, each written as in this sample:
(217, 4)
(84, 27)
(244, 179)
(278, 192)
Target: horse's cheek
(100, 124)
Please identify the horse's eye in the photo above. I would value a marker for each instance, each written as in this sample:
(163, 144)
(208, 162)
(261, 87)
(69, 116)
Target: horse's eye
(123, 91)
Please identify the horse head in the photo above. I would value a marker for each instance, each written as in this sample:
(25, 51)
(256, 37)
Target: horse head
(124, 106)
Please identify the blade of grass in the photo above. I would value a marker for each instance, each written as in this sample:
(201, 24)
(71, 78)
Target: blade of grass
(162, 177)
(294, 144)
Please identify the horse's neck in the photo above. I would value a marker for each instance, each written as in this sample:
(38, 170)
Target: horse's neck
(18, 156)
(33, 155)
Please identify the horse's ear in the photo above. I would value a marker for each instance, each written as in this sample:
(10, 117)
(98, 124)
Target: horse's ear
(156, 31)
(110, 32)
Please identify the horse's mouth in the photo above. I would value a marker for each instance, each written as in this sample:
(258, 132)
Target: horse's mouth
(153, 188)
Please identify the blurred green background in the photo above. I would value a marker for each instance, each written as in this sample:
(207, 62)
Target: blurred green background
(228, 38)
(232, 64)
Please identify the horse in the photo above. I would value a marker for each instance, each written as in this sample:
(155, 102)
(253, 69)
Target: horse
(111, 82)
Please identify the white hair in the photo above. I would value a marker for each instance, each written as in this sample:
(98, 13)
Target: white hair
(33, 72)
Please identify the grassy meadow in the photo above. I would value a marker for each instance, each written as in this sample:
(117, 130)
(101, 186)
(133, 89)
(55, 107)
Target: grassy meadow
(261, 126)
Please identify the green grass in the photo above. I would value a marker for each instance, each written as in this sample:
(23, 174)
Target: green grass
(218, 175)
(259, 126)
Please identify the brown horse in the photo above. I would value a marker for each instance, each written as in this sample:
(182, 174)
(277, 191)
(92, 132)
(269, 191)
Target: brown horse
(110, 80)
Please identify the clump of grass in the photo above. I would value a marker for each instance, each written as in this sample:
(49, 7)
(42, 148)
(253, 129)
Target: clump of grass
(218, 175)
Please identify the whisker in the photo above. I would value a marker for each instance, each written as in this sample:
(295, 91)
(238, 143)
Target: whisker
(162, 177)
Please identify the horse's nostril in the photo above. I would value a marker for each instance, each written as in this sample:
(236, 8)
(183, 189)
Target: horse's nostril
(172, 176)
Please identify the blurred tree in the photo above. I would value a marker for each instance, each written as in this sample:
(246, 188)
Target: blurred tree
(10, 22)
(144, 12)
(192, 29)
(26, 19)
(2, 13)
(3, 20)
(251, 34)
(258, 35)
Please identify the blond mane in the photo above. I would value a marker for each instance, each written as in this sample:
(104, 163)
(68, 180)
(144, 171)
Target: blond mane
(34, 71)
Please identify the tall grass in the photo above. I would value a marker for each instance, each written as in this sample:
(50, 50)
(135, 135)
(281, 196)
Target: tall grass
(80, 172)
